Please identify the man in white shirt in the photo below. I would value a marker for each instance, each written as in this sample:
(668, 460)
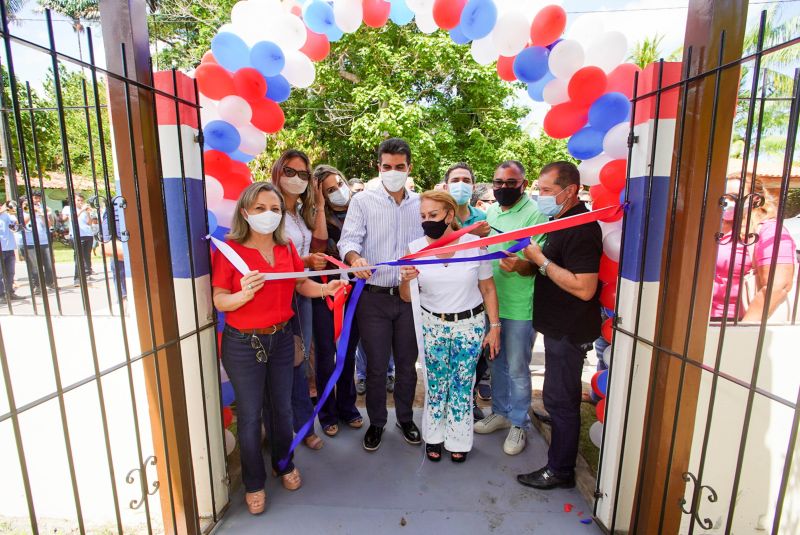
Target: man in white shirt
(83, 244)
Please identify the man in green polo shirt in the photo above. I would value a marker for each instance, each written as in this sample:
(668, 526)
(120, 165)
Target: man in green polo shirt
(459, 181)
(513, 277)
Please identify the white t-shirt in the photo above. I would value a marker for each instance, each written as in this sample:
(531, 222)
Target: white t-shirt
(451, 287)
(298, 232)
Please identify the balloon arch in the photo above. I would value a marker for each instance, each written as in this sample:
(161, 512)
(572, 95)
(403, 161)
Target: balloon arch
(271, 46)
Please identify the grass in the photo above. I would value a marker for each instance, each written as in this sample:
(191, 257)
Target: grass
(62, 254)
(589, 451)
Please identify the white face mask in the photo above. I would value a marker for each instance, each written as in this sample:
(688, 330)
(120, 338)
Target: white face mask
(340, 197)
(294, 185)
(265, 222)
(394, 181)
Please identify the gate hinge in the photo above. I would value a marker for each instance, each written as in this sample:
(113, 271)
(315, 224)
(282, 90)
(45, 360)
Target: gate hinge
(598, 495)
(632, 139)
(198, 138)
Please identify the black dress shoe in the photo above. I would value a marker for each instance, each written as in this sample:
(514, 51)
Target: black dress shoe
(410, 432)
(545, 479)
(372, 438)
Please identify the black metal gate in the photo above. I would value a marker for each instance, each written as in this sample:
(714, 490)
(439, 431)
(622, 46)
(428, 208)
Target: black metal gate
(106, 423)
(702, 416)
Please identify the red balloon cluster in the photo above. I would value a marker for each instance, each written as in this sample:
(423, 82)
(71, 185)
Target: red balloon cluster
(233, 175)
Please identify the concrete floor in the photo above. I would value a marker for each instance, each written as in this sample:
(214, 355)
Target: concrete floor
(397, 490)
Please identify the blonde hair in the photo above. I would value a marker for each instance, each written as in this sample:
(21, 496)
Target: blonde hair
(307, 199)
(767, 210)
(240, 229)
(443, 197)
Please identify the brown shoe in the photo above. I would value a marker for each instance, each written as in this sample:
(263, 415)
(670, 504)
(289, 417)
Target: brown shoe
(313, 442)
(292, 480)
(256, 502)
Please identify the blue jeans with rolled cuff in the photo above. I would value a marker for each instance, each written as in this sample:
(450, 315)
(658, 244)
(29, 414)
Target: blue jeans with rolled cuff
(261, 389)
(511, 374)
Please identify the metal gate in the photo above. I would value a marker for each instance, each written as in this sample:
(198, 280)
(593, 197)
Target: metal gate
(702, 415)
(110, 415)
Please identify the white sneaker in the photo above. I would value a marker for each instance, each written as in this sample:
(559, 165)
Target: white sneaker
(491, 423)
(515, 441)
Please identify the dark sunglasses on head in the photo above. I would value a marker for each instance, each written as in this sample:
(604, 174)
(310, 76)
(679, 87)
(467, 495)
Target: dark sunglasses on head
(288, 171)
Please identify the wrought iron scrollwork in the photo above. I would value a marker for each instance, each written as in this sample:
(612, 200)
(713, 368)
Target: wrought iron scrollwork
(755, 201)
(142, 472)
(697, 495)
(103, 234)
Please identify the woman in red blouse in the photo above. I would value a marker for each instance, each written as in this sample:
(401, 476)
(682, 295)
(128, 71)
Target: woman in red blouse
(257, 343)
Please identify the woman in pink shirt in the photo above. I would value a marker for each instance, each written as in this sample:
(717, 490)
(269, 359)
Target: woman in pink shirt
(755, 258)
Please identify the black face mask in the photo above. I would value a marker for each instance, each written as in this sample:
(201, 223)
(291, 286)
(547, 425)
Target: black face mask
(434, 229)
(507, 196)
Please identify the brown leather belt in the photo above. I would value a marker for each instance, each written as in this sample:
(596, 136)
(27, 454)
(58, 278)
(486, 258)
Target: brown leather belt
(272, 329)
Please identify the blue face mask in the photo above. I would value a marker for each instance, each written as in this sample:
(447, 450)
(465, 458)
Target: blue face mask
(548, 205)
(461, 192)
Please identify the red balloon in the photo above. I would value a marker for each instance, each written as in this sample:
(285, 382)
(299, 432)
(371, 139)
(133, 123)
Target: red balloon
(297, 11)
(227, 417)
(250, 84)
(208, 57)
(267, 116)
(595, 387)
(447, 13)
(587, 85)
(600, 410)
(213, 81)
(565, 119)
(607, 330)
(613, 174)
(505, 68)
(216, 163)
(621, 79)
(376, 12)
(235, 179)
(608, 295)
(548, 25)
(597, 191)
(317, 46)
(603, 199)
(609, 270)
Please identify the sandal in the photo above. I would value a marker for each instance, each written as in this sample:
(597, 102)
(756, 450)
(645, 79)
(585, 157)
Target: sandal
(313, 442)
(331, 430)
(458, 456)
(356, 423)
(434, 452)
(256, 501)
(292, 480)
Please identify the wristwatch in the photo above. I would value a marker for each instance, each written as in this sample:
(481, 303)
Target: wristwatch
(543, 267)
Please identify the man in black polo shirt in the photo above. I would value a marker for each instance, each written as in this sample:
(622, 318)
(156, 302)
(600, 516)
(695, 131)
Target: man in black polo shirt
(566, 311)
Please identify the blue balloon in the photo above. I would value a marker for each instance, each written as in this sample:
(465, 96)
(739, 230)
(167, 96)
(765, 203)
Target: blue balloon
(267, 58)
(602, 382)
(536, 89)
(334, 34)
(400, 13)
(458, 36)
(530, 65)
(230, 51)
(552, 45)
(220, 232)
(622, 195)
(609, 313)
(221, 136)
(278, 89)
(228, 396)
(241, 156)
(212, 222)
(319, 18)
(586, 143)
(609, 110)
(478, 18)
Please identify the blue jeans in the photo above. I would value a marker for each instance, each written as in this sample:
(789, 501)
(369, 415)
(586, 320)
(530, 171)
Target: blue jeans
(302, 325)
(8, 265)
(511, 375)
(361, 363)
(261, 389)
(115, 265)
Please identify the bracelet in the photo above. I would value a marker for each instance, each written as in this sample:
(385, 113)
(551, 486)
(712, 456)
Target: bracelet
(498, 325)
(322, 291)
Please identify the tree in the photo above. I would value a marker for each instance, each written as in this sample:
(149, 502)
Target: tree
(77, 10)
(13, 7)
(648, 51)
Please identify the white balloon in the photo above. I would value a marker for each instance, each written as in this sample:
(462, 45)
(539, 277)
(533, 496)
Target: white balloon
(590, 169)
(607, 355)
(566, 58)
(615, 143)
(596, 433)
(243, 12)
(235, 110)
(607, 51)
(214, 192)
(348, 14)
(483, 50)
(208, 110)
(224, 212)
(287, 31)
(425, 22)
(586, 29)
(555, 92)
(419, 6)
(612, 244)
(254, 141)
(230, 442)
(511, 33)
(299, 70)
(608, 228)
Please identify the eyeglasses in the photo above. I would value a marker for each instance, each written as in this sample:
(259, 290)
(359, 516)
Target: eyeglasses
(290, 172)
(513, 183)
(261, 353)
